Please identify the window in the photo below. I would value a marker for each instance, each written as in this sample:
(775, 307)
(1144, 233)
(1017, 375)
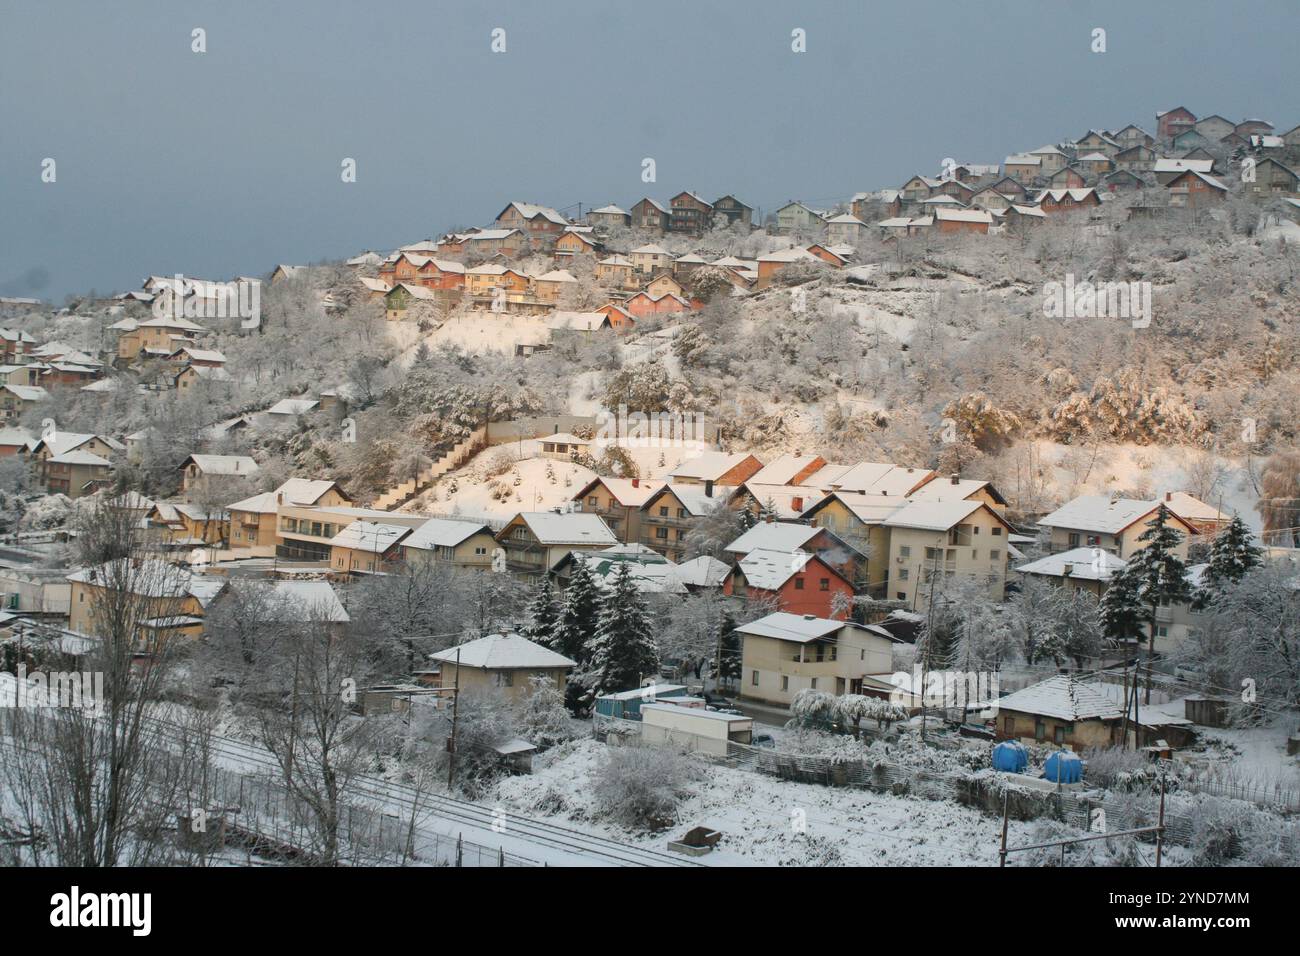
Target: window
(905, 551)
(813, 684)
(904, 574)
(1058, 735)
(505, 678)
(661, 534)
(993, 554)
(824, 584)
(785, 681)
(1073, 540)
(900, 595)
(753, 678)
(1040, 730)
(663, 511)
(798, 584)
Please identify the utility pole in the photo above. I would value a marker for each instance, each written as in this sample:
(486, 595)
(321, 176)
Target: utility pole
(1006, 807)
(1160, 822)
(455, 708)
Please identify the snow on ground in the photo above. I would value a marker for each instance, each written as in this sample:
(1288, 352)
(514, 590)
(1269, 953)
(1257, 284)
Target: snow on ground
(756, 815)
(481, 332)
(1253, 756)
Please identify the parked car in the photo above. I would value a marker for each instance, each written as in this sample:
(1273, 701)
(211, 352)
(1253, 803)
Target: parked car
(762, 740)
(712, 699)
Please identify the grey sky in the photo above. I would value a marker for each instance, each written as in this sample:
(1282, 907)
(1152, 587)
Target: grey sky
(227, 162)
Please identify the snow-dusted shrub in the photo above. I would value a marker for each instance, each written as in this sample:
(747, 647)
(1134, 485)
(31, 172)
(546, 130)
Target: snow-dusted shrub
(543, 719)
(52, 511)
(639, 786)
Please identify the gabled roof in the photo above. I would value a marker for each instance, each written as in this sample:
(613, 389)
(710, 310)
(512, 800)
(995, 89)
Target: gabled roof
(502, 652)
(798, 628)
(575, 527)
(692, 497)
(1099, 514)
(773, 536)
(371, 536)
(532, 211)
(223, 464)
(1085, 564)
(768, 570)
(610, 210)
(629, 492)
(937, 515)
(1062, 698)
(945, 489)
(702, 572)
(443, 533)
(710, 466)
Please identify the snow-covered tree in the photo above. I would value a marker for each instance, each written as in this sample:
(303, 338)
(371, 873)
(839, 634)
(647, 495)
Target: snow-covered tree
(1122, 613)
(579, 615)
(623, 651)
(814, 709)
(1031, 617)
(543, 614)
(1160, 573)
(1078, 621)
(543, 719)
(1233, 554)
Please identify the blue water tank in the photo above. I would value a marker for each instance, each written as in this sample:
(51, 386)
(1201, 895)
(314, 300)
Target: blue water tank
(1063, 767)
(1010, 756)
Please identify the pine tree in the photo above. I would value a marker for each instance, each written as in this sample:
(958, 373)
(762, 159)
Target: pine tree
(579, 615)
(624, 650)
(1161, 574)
(1232, 555)
(1122, 612)
(543, 614)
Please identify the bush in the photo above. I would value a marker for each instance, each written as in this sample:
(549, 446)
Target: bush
(639, 787)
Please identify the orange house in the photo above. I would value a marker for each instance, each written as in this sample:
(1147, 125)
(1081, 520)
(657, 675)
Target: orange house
(619, 317)
(1067, 200)
(574, 244)
(643, 304)
(800, 583)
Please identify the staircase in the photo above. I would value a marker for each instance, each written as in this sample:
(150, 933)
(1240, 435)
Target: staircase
(400, 494)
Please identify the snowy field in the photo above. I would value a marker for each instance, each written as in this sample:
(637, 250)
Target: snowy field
(757, 815)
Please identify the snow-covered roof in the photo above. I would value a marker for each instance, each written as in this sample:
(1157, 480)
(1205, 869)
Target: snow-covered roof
(877, 477)
(576, 321)
(694, 497)
(1086, 564)
(1022, 159)
(293, 406)
(502, 652)
(28, 393)
(572, 528)
(369, 536)
(630, 492)
(224, 464)
(650, 250)
(793, 254)
(442, 533)
(1190, 508)
(317, 599)
(800, 628)
(932, 515)
(532, 211)
(773, 536)
(702, 572)
(557, 275)
(710, 466)
(610, 210)
(1098, 513)
(1183, 165)
(963, 215)
(1062, 698)
(783, 470)
(783, 501)
(945, 489)
(79, 457)
(769, 570)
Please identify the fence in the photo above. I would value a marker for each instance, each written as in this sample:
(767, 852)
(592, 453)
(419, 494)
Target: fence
(982, 789)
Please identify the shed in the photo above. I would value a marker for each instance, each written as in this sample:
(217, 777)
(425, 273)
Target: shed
(627, 704)
(705, 731)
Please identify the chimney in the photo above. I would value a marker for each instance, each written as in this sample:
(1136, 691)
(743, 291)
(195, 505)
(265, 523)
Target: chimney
(708, 489)
(954, 479)
(279, 497)
(1169, 496)
(796, 504)
(1067, 570)
(636, 482)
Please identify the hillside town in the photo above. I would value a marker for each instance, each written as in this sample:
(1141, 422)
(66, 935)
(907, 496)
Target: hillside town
(654, 525)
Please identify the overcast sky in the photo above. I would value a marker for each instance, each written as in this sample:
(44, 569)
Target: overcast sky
(227, 162)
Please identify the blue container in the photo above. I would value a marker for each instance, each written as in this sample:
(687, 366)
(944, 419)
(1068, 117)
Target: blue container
(1063, 767)
(1010, 756)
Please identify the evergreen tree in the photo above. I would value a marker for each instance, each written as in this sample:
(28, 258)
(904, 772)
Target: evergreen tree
(543, 614)
(579, 615)
(1122, 612)
(1160, 573)
(575, 631)
(1232, 555)
(624, 650)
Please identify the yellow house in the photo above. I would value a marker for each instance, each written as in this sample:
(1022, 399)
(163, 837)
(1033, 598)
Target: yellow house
(365, 547)
(465, 544)
(551, 285)
(506, 663)
(75, 464)
(253, 521)
(650, 258)
(175, 600)
(931, 540)
(859, 520)
(537, 540)
(1114, 525)
(159, 337)
(617, 271)
(782, 654)
(306, 532)
(198, 467)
